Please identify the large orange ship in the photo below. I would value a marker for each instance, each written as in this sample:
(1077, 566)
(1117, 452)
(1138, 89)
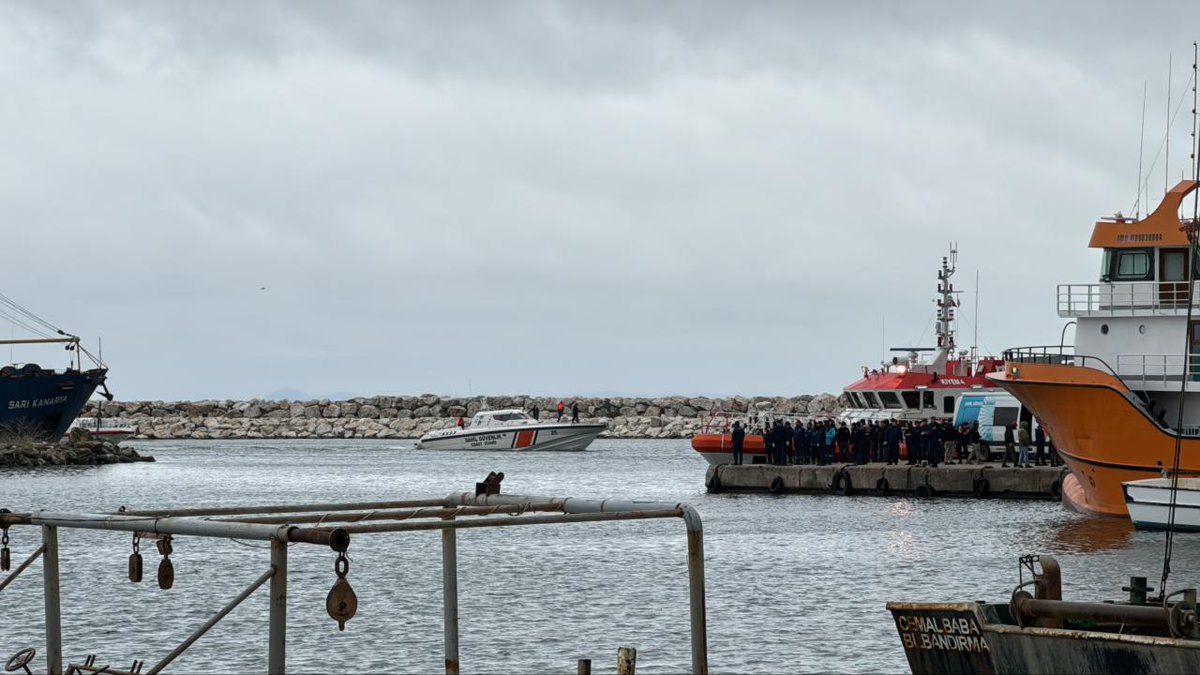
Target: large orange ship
(1112, 404)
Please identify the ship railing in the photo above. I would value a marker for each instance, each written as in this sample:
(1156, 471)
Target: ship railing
(1056, 355)
(102, 423)
(1124, 298)
(1157, 368)
(721, 421)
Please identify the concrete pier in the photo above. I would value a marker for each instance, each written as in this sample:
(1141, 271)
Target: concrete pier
(947, 480)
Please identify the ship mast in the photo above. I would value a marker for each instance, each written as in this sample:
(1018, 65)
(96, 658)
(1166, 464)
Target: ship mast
(946, 304)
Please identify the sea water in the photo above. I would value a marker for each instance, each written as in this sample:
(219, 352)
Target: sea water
(794, 583)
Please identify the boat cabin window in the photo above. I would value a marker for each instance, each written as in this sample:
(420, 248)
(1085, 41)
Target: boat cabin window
(855, 401)
(927, 399)
(1128, 264)
(1004, 416)
(890, 400)
(911, 399)
(948, 405)
(872, 402)
(509, 417)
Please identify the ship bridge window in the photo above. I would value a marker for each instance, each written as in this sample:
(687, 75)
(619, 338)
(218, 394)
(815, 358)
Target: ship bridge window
(911, 400)
(856, 401)
(890, 400)
(872, 402)
(927, 399)
(1132, 264)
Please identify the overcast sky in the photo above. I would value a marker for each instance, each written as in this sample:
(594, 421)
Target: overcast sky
(556, 198)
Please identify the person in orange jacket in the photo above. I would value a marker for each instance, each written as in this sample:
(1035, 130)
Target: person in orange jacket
(560, 409)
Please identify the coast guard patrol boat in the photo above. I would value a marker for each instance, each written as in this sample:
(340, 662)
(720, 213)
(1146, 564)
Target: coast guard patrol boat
(512, 430)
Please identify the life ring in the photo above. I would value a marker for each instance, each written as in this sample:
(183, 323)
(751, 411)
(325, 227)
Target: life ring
(882, 488)
(980, 487)
(925, 491)
(776, 485)
(714, 482)
(841, 483)
(1056, 489)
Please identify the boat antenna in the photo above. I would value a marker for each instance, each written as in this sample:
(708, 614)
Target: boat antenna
(1137, 204)
(1167, 155)
(975, 340)
(1190, 228)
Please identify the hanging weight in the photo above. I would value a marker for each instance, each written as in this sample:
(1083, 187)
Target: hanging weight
(341, 603)
(135, 567)
(135, 561)
(166, 574)
(5, 559)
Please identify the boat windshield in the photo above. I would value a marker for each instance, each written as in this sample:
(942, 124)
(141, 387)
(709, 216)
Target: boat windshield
(500, 418)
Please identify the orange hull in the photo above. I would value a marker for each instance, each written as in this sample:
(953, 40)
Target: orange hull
(753, 444)
(1099, 433)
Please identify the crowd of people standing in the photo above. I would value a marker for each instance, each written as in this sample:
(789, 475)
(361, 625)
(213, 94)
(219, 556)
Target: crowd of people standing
(927, 442)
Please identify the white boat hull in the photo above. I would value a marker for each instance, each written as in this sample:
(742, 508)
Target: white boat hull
(539, 437)
(1149, 503)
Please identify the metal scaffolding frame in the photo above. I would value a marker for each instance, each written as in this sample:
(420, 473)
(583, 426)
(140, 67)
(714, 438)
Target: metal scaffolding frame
(333, 525)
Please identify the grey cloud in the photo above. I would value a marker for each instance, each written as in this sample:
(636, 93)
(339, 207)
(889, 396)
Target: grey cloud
(554, 197)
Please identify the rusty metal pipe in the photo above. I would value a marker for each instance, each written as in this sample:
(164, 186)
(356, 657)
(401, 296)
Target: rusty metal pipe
(390, 514)
(311, 535)
(1100, 612)
(196, 527)
(566, 505)
(7, 519)
(698, 613)
(282, 508)
(508, 521)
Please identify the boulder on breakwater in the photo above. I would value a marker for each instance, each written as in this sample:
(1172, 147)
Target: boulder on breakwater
(413, 416)
(79, 449)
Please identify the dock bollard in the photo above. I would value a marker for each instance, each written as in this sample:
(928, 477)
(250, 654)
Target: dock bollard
(584, 668)
(626, 660)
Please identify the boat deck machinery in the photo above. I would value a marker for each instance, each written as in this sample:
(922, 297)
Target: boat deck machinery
(333, 525)
(1040, 632)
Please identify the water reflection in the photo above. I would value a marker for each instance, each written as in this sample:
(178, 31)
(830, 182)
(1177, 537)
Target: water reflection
(1082, 534)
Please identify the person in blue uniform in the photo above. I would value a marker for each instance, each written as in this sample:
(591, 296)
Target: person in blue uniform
(800, 441)
(738, 442)
(892, 435)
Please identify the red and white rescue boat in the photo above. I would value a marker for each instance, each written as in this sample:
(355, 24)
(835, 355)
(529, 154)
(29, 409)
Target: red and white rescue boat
(924, 384)
(512, 430)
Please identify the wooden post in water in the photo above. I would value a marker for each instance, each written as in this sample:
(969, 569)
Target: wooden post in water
(626, 660)
(585, 667)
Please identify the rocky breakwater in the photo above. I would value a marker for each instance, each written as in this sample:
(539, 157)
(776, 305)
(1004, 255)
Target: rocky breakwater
(413, 416)
(79, 449)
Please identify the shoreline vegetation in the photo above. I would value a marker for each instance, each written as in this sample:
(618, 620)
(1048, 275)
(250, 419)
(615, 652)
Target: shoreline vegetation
(410, 417)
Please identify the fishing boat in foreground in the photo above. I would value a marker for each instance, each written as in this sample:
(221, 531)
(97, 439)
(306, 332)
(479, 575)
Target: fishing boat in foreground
(1112, 403)
(1042, 633)
(512, 430)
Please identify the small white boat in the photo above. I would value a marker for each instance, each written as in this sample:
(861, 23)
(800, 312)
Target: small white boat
(512, 430)
(111, 429)
(1149, 503)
